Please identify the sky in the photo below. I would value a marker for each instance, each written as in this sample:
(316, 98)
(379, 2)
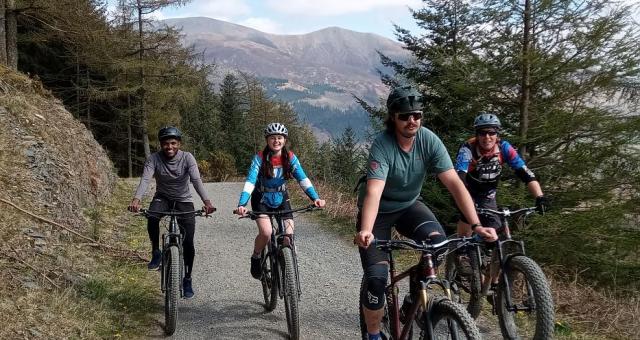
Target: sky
(304, 16)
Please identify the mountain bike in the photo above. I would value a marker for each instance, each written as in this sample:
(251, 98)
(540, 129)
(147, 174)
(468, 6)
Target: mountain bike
(522, 299)
(424, 313)
(280, 277)
(172, 264)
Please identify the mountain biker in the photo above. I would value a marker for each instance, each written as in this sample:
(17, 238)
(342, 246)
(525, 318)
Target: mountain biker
(172, 169)
(266, 187)
(399, 160)
(479, 165)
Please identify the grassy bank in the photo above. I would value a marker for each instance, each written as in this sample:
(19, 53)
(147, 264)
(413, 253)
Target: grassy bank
(583, 311)
(61, 286)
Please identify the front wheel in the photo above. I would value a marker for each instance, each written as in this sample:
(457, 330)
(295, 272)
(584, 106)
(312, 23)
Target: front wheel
(531, 315)
(269, 280)
(290, 288)
(172, 289)
(467, 278)
(449, 320)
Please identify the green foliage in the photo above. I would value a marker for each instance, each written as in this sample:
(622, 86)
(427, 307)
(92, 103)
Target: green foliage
(220, 165)
(347, 159)
(564, 84)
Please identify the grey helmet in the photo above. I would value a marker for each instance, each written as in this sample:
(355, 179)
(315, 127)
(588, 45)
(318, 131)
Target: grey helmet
(276, 129)
(485, 119)
(169, 132)
(404, 98)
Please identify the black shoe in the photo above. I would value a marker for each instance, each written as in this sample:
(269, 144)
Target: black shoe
(256, 267)
(187, 288)
(156, 258)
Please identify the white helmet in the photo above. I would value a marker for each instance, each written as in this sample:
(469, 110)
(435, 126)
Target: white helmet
(275, 129)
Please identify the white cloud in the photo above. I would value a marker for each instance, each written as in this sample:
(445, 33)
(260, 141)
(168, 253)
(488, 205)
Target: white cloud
(262, 24)
(218, 9)
(336, 7)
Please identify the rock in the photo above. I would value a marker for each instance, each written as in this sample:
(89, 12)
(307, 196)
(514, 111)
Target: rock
(35, 333)
(30, 285)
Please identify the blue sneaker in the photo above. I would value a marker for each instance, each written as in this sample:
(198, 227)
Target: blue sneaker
(156, 258)
(187, 288)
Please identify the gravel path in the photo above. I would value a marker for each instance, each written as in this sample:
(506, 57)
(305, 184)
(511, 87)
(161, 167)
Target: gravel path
(228, 302)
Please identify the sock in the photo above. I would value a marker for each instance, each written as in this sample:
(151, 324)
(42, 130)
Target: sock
(374, 336)
(256, 256)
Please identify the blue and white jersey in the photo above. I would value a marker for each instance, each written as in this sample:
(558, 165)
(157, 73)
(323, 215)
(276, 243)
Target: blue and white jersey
(273, 189)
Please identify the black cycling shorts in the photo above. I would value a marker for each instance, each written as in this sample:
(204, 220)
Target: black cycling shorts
(258, 206)
(416, 222)
(485, 200)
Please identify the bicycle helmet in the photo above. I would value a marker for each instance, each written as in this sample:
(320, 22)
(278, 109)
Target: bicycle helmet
(404, 98)
(276, 129)
(484, 120)
(169, 132)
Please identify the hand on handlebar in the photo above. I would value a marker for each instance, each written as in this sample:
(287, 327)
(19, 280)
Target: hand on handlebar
(319, 203)
(363, 239)
(242, 211)
(208, 207)
(487, 234)
(134, 206)
(542, 204)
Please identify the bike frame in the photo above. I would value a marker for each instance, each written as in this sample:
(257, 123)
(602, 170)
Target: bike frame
(498, 255)
(424, 272)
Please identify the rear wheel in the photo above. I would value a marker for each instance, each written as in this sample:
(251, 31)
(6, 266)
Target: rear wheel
(269, 280)
(172, 289)
(530, 293)
(450, 321)
(467, 280)
(290, 288)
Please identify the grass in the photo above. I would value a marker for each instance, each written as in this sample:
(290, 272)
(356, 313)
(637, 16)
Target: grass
(91, 294)
(583, 310)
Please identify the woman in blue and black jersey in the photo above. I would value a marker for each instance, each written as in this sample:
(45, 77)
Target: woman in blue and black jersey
(265, 186)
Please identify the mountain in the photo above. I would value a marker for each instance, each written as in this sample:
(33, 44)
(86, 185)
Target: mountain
(316, 72)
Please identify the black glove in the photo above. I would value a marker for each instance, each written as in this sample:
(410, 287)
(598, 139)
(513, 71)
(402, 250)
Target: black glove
(542, 205)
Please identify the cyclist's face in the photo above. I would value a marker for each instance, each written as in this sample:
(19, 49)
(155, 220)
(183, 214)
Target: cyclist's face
(408, 123)
(170, 147)
(487, 138)
(276, 142)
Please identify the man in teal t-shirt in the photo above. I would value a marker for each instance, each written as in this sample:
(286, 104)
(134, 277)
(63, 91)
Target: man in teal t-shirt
(399, 160)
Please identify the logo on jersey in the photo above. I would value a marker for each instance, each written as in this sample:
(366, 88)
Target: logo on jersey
(374, 165)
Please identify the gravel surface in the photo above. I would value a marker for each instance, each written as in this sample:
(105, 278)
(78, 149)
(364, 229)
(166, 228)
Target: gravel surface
(228, 303)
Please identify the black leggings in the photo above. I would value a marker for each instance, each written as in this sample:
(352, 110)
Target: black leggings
(187, 228)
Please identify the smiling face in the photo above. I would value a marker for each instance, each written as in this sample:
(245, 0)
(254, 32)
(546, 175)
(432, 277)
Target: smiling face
(408, 123)
(487, 138)
(276, 143)
(170, 147)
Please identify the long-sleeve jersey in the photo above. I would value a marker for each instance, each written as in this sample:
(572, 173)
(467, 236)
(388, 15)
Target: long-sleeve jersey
(172, 176)
(483, 169)
(273, 188)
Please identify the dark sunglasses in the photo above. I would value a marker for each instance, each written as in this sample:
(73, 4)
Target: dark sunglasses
(486, 132)
(405, 116)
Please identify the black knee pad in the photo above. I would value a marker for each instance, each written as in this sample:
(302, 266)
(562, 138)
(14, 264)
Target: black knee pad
(376, 281)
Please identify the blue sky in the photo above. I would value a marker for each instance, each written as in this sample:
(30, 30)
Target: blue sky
(304, 16)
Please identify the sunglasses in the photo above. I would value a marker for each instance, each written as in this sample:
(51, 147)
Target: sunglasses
(405, 116)
(487, 132)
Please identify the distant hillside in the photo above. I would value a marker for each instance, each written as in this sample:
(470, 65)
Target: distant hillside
(321, 69)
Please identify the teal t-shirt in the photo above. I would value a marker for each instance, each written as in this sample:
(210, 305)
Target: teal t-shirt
(404, 172)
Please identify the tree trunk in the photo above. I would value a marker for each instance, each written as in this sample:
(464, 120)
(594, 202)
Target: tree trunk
(143, 112)
(525, 94)
(12, 35)
(129, 138)
(3, 35)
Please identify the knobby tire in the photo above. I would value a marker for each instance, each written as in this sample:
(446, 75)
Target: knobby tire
(172, 290)
(538, 324)
(290, 288)
(471, 284)
(450, 321)
(269, 280)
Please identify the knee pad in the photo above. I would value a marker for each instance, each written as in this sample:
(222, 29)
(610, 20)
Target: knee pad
(375, 283)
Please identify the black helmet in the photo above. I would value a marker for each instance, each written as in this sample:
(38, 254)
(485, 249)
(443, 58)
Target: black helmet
(485, 119)
(169, 132)
(404, 98)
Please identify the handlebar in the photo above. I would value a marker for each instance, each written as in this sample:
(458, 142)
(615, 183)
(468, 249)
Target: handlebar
(389, 245)
(254, 214)
(147, 213)
(506, 212)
